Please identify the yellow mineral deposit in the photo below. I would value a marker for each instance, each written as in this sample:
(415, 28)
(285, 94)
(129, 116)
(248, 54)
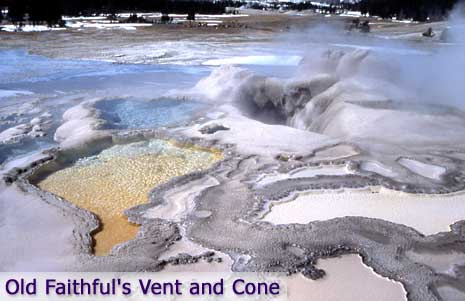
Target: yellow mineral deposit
(120, 178)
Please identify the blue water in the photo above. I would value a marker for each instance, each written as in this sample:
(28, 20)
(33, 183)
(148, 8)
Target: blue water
(22, 71)
(131, 114)
(19, 66)
(26, 146)
(58, 84)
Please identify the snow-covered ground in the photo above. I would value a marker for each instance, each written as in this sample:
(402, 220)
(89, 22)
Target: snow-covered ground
(29, 28)
(104, 25)
(102, 22)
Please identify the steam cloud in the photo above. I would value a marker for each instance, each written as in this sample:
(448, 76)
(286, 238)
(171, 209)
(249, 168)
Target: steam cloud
(381, 72)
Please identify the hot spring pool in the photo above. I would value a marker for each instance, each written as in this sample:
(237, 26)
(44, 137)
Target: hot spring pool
(119, 178)
(128, 114)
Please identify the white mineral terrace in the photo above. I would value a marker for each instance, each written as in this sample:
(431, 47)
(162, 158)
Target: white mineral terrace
(426, 170)
(426, 214)
(304, 172)
(345, 276)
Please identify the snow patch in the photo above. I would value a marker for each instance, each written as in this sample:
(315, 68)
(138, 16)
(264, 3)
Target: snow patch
(101, 25)
(29, 28)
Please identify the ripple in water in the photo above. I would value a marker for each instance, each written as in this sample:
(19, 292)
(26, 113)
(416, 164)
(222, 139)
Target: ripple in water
(124, 114)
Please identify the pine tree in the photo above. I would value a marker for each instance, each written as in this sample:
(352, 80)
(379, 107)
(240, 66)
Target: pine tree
(48, 11)
(17, 11)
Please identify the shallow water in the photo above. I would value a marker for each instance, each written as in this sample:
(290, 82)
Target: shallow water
(119, 178)
(32, 85)
(20, 67)
(41, 75)
(123, 113)
(8, 151)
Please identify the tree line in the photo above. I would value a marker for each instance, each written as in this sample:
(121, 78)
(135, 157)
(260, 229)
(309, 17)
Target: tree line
(36, 11)
(418, 10)
(51, 11)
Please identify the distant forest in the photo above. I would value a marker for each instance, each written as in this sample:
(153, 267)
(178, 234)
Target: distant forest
(418, 10)
(51, 11)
